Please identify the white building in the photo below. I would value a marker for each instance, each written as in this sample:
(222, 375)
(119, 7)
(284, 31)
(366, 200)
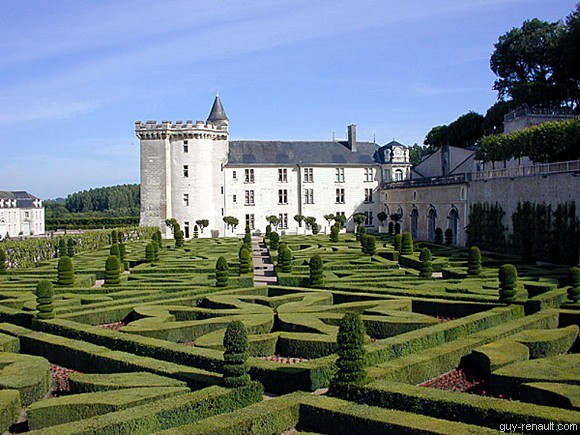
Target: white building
(192, 171)
(21, 214)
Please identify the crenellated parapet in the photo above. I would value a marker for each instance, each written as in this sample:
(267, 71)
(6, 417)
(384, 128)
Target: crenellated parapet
(152, 130)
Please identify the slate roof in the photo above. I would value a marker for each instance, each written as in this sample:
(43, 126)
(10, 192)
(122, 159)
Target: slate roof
(23, 199)
(248, 152)
(381, 151)
(217, 112)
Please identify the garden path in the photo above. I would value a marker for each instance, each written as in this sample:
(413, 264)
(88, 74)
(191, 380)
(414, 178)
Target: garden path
(263, 267)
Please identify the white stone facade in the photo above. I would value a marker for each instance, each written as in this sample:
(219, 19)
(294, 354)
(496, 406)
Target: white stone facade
(192, 171)
(21, 214)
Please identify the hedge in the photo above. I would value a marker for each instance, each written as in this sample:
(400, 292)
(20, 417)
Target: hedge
(165, 413)
(30, 375)
(467, 408)
(551, 394)
(9, 344)
(10, 408)
(76, 407)
(93, 382)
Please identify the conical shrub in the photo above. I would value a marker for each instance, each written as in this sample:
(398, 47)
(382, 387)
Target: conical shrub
(221, 272)
(112, 271)
(70, 248)
(474, 261)
(316, 271)
(235, 368)
(245, 260)
(44, 300)
(149, 253)
(407, 244)
(3, 266)
(508, 279)
(66, 277)
(574, 281)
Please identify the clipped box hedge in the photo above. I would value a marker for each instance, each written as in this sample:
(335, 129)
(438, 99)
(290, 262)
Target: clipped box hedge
(10, 407)
(30, 375)
(93, 382)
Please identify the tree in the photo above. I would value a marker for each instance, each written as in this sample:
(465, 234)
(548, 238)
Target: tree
(202, 223)
(508, 278)
(438, 236)
(340, 219)
(195, 232)
(112, 271)
(351, 361)
(268, 231)
(437, 137)
(426, 270)
(329, 218)
(574, 282)
(382, 217)
(179, 237)
(155, 250)
(416, 154)
(274, 240)
(407, 243)
(44, 300)
(221, 272)
(448, 236)
(359, 218)
(70, 247)
(61, 247)
(285, 259)
(316, 271)
(525, 60)
(245, 260)
(231, 222)
(360, 231)
(334, 230)
(149, 253)
(368, 244)
(235, 368)
(299, 218)
(398, 242)
(474, 261)
(273, 220)
(66, 277)
(157, 238)
(2, 261)
(310, 222)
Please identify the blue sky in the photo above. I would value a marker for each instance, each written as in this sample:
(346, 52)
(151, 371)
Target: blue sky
(75, 75)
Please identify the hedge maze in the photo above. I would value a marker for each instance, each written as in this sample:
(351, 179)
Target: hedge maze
(145, 354)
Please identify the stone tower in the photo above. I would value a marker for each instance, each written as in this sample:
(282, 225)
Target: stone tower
(182, 171)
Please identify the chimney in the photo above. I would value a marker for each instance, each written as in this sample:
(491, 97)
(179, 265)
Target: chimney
(351, 136)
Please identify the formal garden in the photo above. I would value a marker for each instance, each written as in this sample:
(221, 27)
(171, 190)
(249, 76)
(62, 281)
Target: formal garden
(123, 332)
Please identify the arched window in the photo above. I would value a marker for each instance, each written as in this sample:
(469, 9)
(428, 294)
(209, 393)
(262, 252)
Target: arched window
(431, 222)
(453, 217)
(398, 175)
(414, 223)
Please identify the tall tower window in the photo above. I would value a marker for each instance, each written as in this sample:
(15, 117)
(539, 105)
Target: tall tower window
(185, 146)
(186, 171)
(248, 175)
(339, 178)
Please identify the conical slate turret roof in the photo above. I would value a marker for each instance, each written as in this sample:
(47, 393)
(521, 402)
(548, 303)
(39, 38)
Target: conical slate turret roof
(217, 111)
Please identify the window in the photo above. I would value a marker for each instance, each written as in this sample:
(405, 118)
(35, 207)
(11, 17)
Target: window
(186, 199)
(399, 175)
(248, 175)
(308, 175)
(250, 221)
(186, 171)
(282, 196)
(369, 218)
(26, 214)
(308, 196)
(234, 175)
(185, 146)
(282, 175)
(186, 229)
(340, 196)
(235, 198)
(222, 189)
(369, 174)
(283, 220)
(368, 195)
(249, 197)
(339, 175)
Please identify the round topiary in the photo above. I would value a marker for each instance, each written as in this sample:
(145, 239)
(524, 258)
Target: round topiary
(474, 261)
(112, 271)
(398, 242)
(407, 243)
(334, 230)
(315, 228)
(426, 270)
(44, 300)
(316, 271)
(221, 272)
(574, 281)
(149, 253)
(508, 278)
(351, 361)
(179, 238)
(439, 236)
(285, 260)
(2, 261)
(70, 248)
(274, 240)
(235, 368)
(245, 260)
(66, 275)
